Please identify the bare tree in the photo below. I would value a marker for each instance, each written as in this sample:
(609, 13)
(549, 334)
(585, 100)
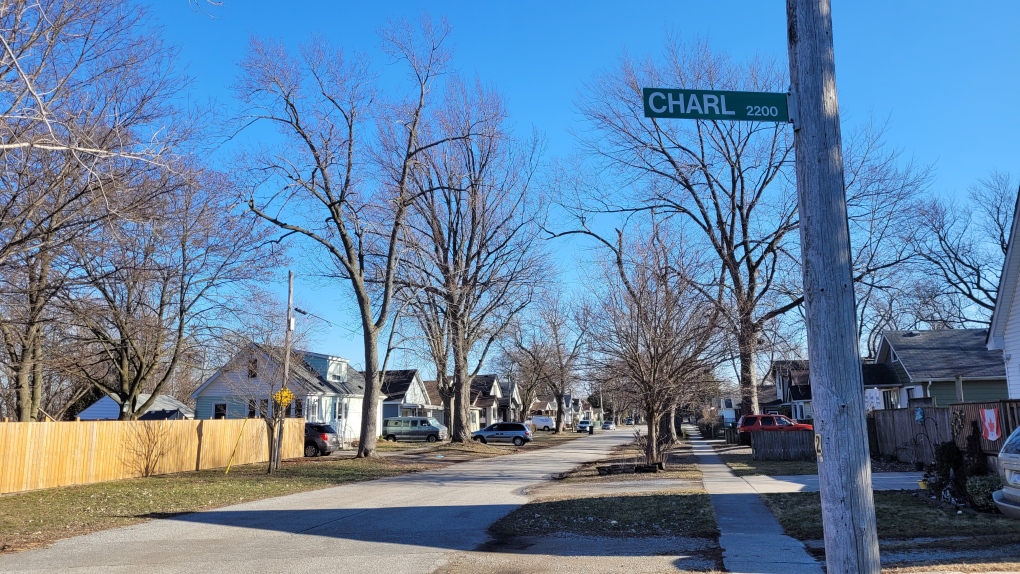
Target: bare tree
(152, 287)
(88, 95)
(655, 331)
(552, 344)
(474, 227)
(964, 245)
(335, 181)
(731, 185)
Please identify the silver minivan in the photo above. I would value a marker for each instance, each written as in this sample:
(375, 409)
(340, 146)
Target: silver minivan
(427, 429)
(517, 433)
(1008, 499)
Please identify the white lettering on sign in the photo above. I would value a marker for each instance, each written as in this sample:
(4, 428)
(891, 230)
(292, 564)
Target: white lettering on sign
(673, 102)
(694, 103)
(651, 102)
(724, 110)
(711, 101)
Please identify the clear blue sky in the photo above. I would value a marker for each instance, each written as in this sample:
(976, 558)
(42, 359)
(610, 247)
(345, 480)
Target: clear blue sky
(944, 73)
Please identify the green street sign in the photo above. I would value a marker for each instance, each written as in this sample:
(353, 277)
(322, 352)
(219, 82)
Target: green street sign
(715, 105)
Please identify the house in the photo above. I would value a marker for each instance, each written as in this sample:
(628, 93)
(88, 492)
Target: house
(485, 395)
(510, 407)
(326, 389)
(580, 410)
(407, 396)
(937, 368)
(1004, 330)
(164, 407)
(436, 397)
(793, 386)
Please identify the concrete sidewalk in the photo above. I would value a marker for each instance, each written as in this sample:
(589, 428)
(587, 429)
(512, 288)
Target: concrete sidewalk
(809, 482)
(751, 538)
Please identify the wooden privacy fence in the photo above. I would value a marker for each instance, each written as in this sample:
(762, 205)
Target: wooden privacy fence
(50, 454)
(783, 445)
(897, 433)
(966, 413)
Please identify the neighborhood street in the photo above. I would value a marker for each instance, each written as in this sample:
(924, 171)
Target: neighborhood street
(403, 524)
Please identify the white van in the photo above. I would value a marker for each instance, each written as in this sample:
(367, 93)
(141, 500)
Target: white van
(544, 423)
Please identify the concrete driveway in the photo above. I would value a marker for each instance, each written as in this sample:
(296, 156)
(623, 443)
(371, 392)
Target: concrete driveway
(409, 523)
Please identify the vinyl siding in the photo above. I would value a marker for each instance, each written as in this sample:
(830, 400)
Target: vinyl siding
(981, 391)
(1011, 347)
(973, 392)
(103, 409)
(944, 393)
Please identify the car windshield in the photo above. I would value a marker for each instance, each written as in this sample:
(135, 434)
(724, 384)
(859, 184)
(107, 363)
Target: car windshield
(783, 421)
(324, 429)
(435, 423)
(1012, 445)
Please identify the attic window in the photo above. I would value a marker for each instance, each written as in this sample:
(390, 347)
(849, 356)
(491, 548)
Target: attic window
(253, 367)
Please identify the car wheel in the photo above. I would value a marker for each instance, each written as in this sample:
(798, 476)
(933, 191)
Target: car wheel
(311, 450)
(432, 438)
(391, 438)
(482, 440)
(546, 428)
(518, 441)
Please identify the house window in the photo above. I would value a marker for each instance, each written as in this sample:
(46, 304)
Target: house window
(264, 408)
(312, 412)
(890, 399)
(336, 371)
(910, 392)
(220, 411)
(251, 408)
(253, 367)
(299, 408)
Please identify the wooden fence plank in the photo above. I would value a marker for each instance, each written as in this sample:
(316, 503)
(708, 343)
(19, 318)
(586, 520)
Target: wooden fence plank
(49, 454)
(783, 445)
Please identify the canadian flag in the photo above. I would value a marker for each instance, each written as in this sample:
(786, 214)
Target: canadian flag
(990, 424)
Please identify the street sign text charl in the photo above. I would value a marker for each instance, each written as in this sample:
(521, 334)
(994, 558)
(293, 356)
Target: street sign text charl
(715, 105)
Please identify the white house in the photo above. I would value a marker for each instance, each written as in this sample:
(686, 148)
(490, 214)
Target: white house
(326, 389)
(1004, 332)
(164, 407)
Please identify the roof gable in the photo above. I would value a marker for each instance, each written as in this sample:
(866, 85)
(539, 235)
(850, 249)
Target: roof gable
(942, 355)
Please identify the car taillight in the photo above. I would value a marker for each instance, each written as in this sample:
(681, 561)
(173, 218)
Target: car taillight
(324, 437)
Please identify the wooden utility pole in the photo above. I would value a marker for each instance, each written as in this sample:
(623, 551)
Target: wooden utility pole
(286, 360)
(844, 465)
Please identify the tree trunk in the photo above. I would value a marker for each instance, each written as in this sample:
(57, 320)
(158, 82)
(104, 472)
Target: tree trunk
(561, 411)
(844, 467)
(652, 441)
(271, 437)
(672, 424)
(747, 341)
(370, 407)
(461, 431)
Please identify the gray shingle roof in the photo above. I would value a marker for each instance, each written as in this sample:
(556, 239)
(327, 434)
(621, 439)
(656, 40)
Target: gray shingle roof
(946, 353)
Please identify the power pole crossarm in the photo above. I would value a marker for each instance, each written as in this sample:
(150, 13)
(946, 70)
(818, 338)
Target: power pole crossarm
(844, 466)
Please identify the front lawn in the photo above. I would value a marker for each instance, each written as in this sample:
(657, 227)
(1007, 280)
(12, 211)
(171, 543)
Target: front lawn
(30, 519)
(899, 515)
(640, 515)
(681, 464)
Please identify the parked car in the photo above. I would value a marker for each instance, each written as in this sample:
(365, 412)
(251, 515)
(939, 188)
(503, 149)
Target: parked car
(413, 428)
(750, 423)
(1008, 499)
(628, 421)
(544, 423)
(320, 439)
(609, 425)
(517, 433)
(583, 426)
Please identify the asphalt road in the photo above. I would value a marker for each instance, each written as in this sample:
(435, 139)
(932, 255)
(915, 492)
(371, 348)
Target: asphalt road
(410, 523)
